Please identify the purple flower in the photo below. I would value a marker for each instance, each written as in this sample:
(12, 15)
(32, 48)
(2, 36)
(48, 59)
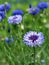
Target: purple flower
(4, 7)
(1, 7)
(7, 6)
(33, 38)
(17, 12)
(2, 15)
(34, 10)
(7, 40)
(43, 5)
(15, 19)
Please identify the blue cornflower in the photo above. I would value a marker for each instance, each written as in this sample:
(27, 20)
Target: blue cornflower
(7, 40)
(33, 38)
(17, 12)
(43, 5)
(7, 6)
(34, 10)
(4, 7)
(2, 15)
(15, 19)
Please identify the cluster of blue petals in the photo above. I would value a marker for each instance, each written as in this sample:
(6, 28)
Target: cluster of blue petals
(43, 5)
(17, 12)
(2, 15)
(36, 10)
(4, 7)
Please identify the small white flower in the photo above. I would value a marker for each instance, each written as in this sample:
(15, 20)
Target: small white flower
(47, 25)
(22, 27)
(42, 15)
(44, 21)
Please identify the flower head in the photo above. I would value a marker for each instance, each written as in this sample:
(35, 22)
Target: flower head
(1, 7)
(4, 7)
(7, 6)
(7, 40)
(33, 38)
(17, 12)
(2, 15)
(15, 19)
(34, 10)
(43, 5)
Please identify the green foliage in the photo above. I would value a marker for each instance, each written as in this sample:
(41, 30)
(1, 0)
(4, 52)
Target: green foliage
(17, 53)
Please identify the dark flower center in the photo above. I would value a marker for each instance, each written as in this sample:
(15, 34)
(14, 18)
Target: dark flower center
(33, 38)
(15, 17)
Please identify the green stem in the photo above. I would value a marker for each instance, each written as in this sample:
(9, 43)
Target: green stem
(34, 55)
